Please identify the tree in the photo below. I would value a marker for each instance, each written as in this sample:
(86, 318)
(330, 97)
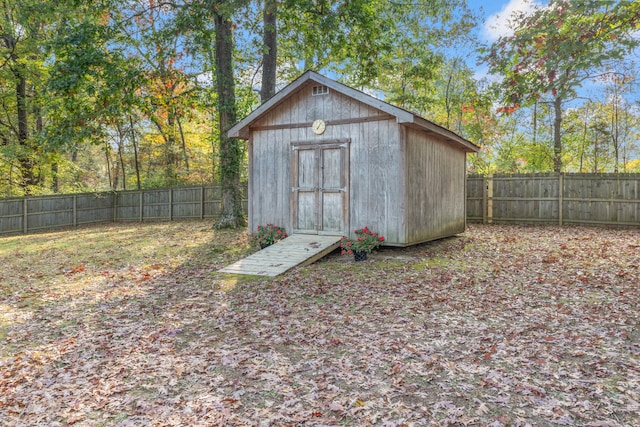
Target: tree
(270, 50)
(22, 34)
(620, 111)
(556, 48)
(230, 154)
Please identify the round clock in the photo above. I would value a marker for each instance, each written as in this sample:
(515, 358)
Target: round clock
(318, 127)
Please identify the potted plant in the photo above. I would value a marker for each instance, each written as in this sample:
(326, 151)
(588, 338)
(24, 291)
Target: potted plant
(267, 235)
(364, 243)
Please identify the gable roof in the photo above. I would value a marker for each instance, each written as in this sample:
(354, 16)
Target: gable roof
(241, 129)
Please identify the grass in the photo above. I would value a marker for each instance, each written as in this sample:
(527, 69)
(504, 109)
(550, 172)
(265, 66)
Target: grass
(503, 325)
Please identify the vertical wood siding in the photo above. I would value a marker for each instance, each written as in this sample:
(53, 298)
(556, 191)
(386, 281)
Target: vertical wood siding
(435, 188)
(373, 157)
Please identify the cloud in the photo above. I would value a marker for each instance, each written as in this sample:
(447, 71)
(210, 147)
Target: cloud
(497, 24)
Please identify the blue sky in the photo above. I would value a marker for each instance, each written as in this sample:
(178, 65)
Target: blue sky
(497, 13)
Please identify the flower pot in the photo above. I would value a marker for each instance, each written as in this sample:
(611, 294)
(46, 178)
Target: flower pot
(359, 256)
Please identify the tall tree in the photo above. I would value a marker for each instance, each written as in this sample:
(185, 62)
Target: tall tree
(270, 50)
(21, 64)
(556, 48)
(230, 153)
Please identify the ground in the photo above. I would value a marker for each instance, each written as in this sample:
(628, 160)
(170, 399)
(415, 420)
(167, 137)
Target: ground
(130, 325)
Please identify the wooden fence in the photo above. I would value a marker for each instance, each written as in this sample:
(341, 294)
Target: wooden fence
(28, 214)
(607, 199)
(542, 198)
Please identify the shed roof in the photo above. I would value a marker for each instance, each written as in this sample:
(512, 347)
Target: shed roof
(241, 129)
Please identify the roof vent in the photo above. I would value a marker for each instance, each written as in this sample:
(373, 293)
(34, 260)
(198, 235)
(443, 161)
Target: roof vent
(320, 90)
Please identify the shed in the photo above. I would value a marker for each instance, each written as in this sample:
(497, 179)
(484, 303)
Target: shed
(325, 158)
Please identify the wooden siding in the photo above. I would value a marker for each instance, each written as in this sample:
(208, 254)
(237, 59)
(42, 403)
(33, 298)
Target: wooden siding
(376, 170)
(435, 176)
(374, 162)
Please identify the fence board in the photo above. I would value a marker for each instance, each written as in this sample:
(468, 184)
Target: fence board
(612, 199)
(23, 215)
(555, 198)
(475, 198)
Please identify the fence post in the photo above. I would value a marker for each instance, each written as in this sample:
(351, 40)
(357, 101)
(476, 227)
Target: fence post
(114, 204)
(75, 210)
(489, 199)
(171, 204)
(25, 215)
(141, 206)
(484, 199)
(560, 198)
(202, 202)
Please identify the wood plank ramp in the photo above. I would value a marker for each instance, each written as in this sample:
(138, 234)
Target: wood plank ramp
(295, 250)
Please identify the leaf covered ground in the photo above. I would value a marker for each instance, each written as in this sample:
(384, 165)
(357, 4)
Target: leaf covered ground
(130, 325)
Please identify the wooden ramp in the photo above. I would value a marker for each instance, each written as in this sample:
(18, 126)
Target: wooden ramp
(295, 250)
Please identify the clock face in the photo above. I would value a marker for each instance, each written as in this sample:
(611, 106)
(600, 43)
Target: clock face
(318, 127)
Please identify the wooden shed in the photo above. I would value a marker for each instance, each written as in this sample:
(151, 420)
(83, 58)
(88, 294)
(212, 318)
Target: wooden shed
(325, 158)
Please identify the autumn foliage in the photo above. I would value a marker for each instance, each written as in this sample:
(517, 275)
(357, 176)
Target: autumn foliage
(500, 326)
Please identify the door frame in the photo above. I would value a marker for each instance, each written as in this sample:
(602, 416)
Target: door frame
(318, 146)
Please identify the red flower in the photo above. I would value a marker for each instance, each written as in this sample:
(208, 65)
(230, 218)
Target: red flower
(364, 241)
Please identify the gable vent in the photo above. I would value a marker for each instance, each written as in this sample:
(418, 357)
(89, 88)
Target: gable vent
(320, 90)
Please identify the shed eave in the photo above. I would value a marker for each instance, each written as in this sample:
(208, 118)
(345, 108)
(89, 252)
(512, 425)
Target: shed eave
(449, 136)
(241, 129)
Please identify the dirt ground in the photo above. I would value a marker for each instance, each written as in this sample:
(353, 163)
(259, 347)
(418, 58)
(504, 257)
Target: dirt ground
(130, 325)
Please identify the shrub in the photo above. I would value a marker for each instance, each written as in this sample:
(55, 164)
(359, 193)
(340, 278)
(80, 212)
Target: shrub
(267, 235)
(365, 241)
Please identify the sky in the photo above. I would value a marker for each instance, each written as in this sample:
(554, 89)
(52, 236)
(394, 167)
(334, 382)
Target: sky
(497, 13)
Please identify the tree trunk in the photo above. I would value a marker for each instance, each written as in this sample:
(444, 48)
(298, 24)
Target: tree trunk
(135, 151)
(185, 155)
(121, 138)
(595, 150)
(55, 182)
(106, 154)
(270, 54)
(25, 157)
(557, 135)
(615, 136)
(171, 170)
(230, 156)
(583, 144)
